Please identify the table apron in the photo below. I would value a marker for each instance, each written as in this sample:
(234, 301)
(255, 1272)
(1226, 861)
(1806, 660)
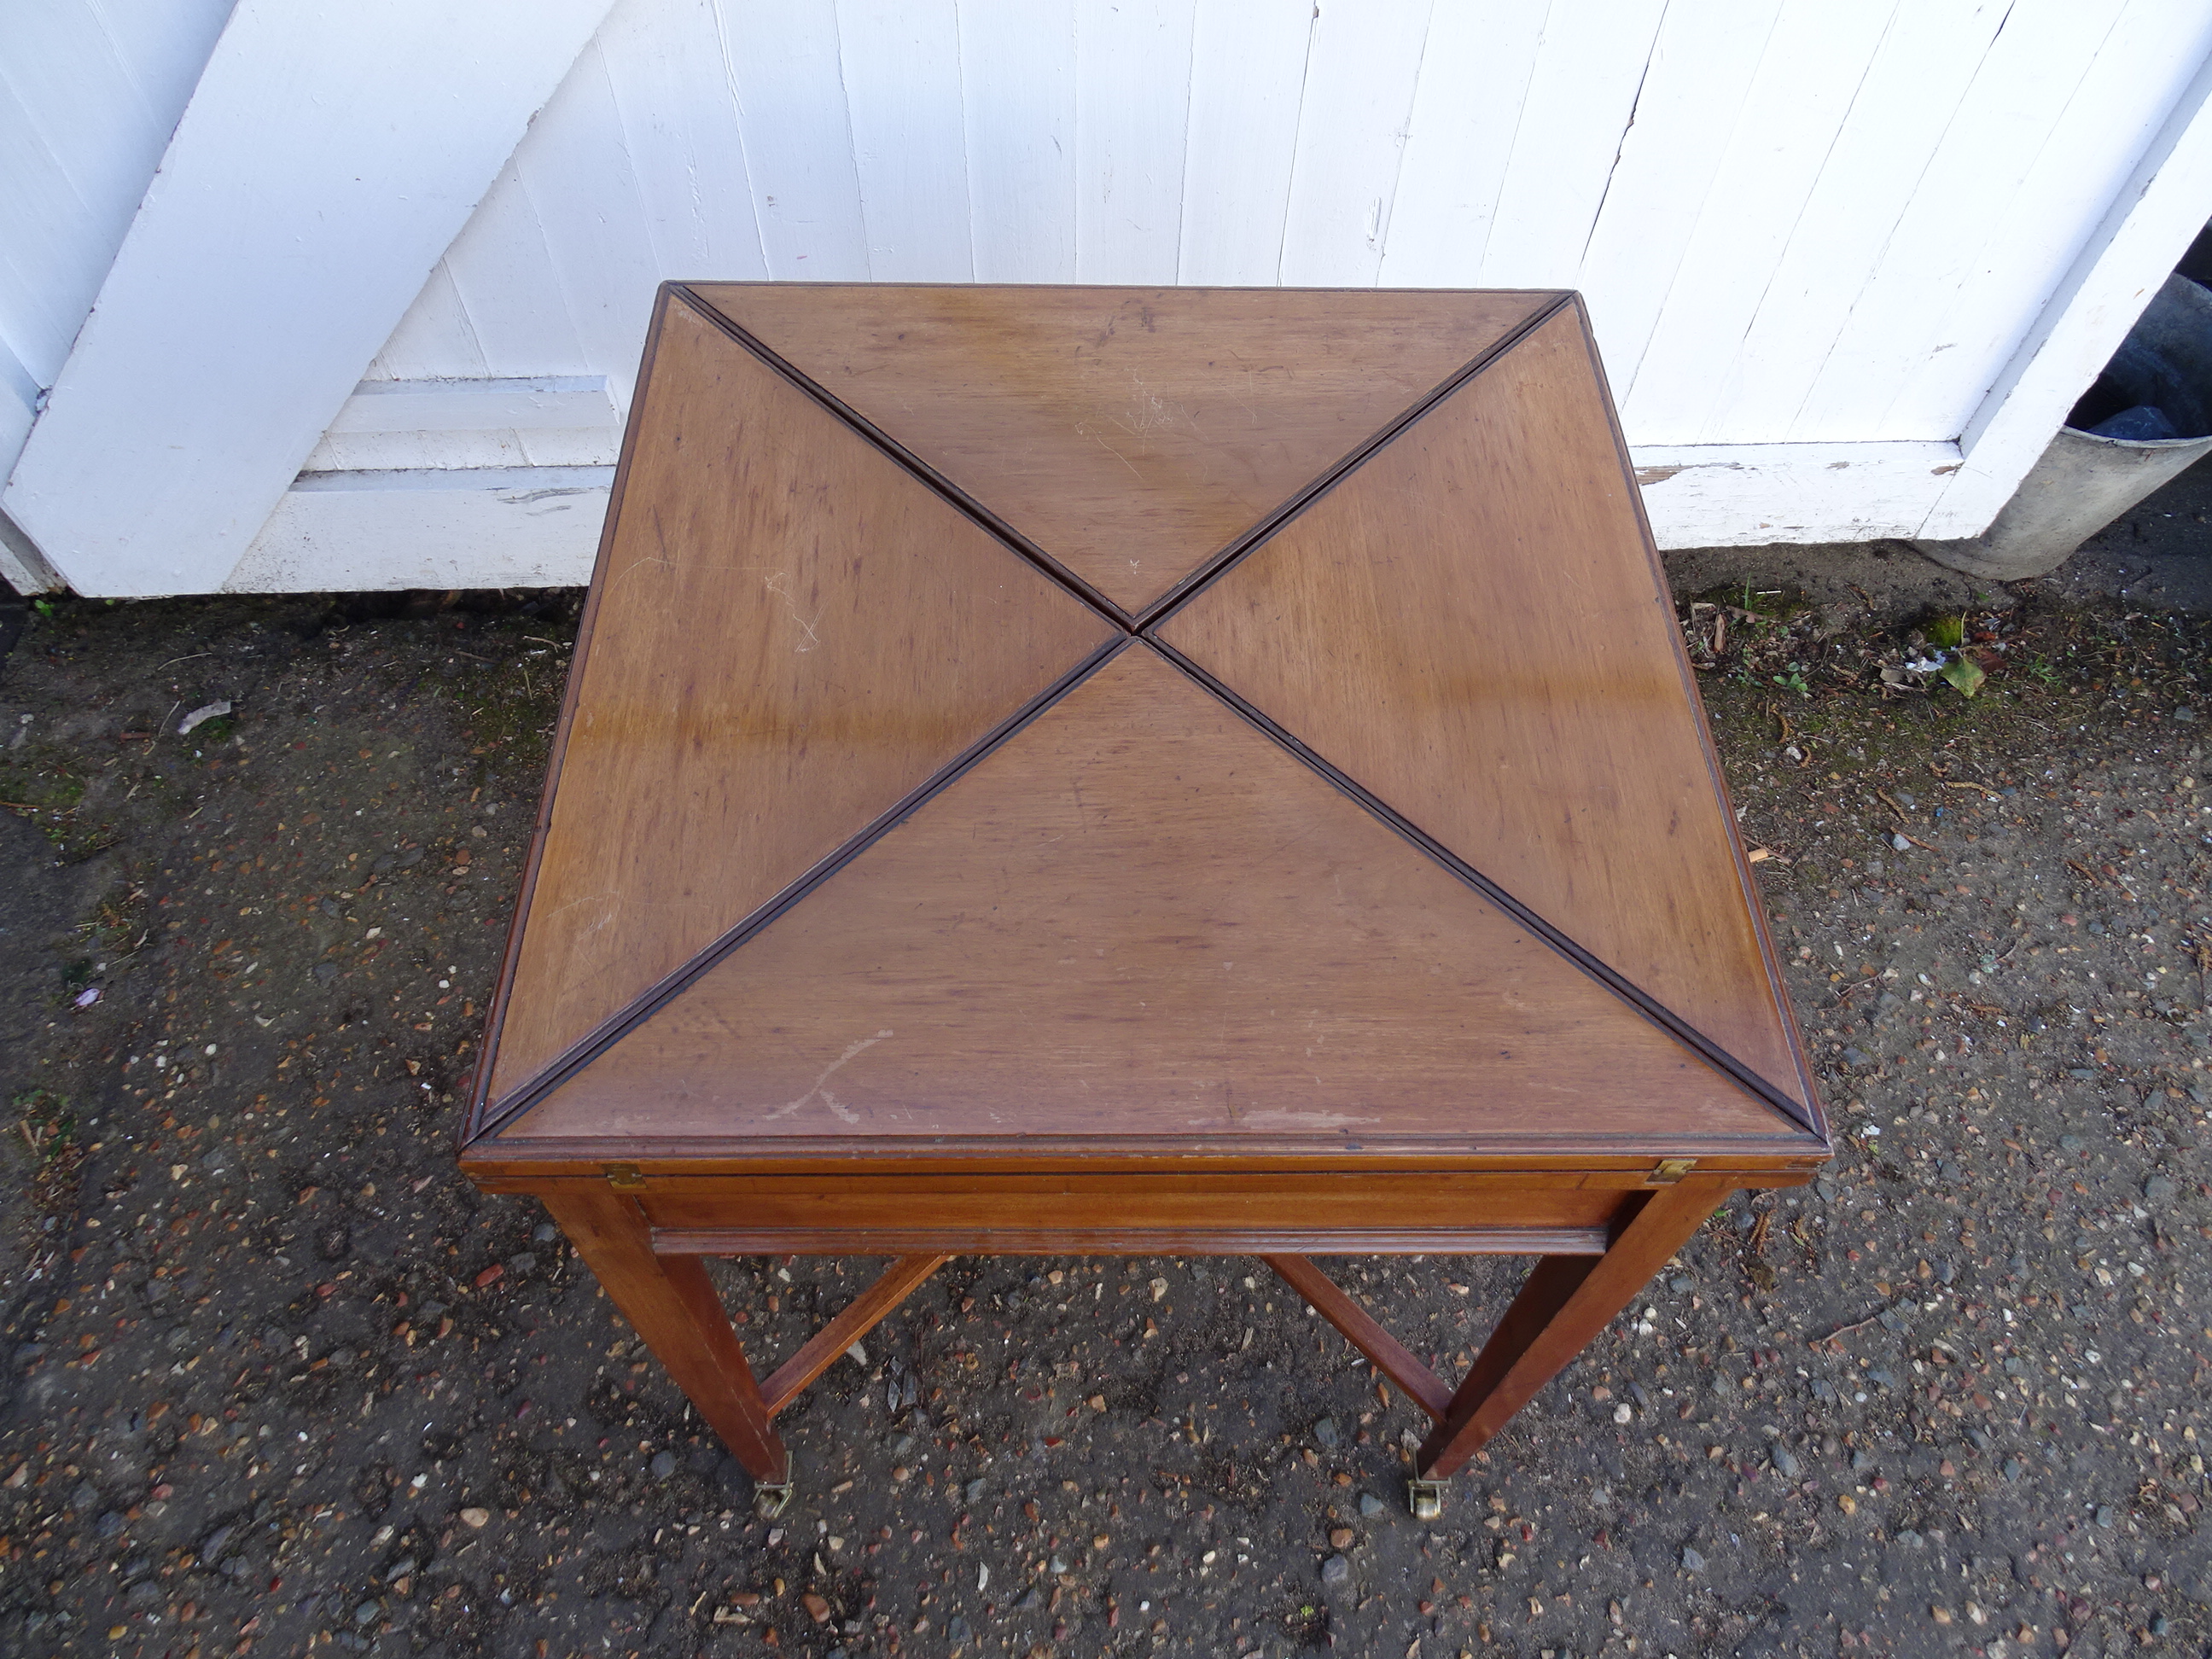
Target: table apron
(1127, 1241)
(1198, 1214)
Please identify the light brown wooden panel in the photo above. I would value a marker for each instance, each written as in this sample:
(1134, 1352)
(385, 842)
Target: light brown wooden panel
(953, 1234)
(1102, 1203)
(792, 633)
(1561, 1309)
(1126, 432)
(1470, 625)
(1140, 916)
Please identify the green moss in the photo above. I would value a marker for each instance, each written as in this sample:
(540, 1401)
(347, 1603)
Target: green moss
(37, 784)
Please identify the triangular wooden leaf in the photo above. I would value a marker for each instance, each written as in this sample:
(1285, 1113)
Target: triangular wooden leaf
(1126, 433)
(1473, 626)
(793, 634)
(1141, 917)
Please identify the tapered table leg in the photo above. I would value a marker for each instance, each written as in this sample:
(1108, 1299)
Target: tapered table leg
(672, 1303)
(1567, 1301)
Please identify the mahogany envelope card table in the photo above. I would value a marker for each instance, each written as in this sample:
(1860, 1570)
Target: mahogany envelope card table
(1132, 772)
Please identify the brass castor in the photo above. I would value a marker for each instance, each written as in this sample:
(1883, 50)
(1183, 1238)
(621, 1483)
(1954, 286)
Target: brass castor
(769, 1501)
(1425, 1498)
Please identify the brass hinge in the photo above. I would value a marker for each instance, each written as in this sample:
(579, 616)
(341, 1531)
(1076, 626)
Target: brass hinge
(625, 1178)
(1670, 1170)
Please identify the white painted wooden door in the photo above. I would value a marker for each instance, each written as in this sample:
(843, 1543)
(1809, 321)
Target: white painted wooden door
(1849, 265)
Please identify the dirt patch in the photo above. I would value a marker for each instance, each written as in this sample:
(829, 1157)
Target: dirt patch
(276, 1378)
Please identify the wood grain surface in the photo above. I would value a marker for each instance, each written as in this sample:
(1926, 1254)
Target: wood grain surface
(1321, 1200)
(1471, 626)
(1565, 1304)
(1127, 433)
(1141, 916)
(862, 1315)
(793, 634)
(1363, 1331)
(672, 1303)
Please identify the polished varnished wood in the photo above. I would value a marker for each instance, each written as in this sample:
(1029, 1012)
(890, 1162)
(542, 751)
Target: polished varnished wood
(1565, 1304)
(1076, 771)
(862, 1315)
(1140, 916)
(964, 1231)
(1390, 1356)
(672, 1303)
(792, 634)
(1126, 433)
(1314, 1210)
(1472, 627)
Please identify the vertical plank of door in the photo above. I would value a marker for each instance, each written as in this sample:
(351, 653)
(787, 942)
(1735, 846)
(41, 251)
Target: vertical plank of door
(1132, 113)
(1017, 81)
(1796, 104)
(784, 68)
(1904, 103)
(1247, 81)
(904, 99)
(1475, 71)
(1581, 99)
(2020, 88)
(680, 126)
(1694, 84)
(1358, 92)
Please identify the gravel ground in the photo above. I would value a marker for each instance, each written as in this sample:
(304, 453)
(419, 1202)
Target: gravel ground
(276, 1380)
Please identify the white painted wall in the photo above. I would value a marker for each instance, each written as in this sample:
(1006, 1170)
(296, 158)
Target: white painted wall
(1848, 264)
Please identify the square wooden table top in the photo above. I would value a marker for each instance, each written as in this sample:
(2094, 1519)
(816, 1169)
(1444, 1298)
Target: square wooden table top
(1082, 727)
